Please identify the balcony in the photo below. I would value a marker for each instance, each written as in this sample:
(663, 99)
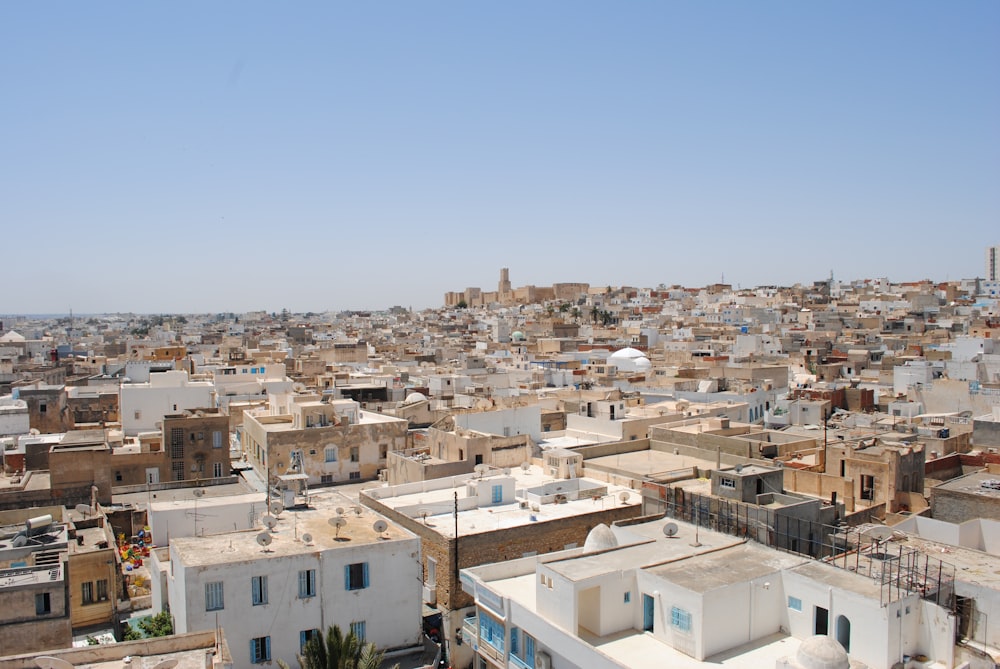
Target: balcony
(470, 631)
(519, 663)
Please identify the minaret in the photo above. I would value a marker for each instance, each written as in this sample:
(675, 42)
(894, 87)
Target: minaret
(503, 288)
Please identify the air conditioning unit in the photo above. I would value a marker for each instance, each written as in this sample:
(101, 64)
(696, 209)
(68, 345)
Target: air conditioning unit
(543, 660)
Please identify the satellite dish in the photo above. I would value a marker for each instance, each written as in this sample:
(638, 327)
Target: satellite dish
(506, 471)
(482, 469)
(738, 468)
(82, 508)
(264, 539)
(670, 530)
(270, 522)
(307, 538)
(357, 510)
(19, 541)
(166, 664)
(337, 522)
(380, 526)
(340, 510)
(525, 466)
(48, 662)
(276, 508)
(198, 492)
(623, 496)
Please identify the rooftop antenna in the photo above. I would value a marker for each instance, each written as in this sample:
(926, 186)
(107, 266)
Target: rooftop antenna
(697, 517)
(424, 513)
(198, 494)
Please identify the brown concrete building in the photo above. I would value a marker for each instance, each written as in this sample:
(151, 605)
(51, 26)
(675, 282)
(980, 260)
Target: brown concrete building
(972, 496)
(196, 443)
(329, 441)
(47, 408)
(92, 405)
(883, 471)
(81, 459)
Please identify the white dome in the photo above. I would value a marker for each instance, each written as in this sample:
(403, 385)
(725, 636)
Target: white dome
(628, 352)
(822, 652)
(413, 398)
(629, 360)
(600, 538)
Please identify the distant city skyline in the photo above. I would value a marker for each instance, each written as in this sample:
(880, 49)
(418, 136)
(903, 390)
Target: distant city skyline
(250, 156)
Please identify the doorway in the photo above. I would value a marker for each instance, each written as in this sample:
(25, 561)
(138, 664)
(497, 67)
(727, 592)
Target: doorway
(821, 621)
(648, 607)
(844, 632)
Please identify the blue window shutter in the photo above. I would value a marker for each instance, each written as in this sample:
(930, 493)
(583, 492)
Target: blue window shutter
(267, 648)
(347, 577)
(365, 568)
(253, 656)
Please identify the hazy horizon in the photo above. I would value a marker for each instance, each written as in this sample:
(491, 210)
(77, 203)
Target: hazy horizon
(164, 158)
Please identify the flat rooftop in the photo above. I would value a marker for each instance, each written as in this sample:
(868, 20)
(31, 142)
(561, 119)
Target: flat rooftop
(739, 564)
(982, 484)
(841, 579)
(971, 566)
(650, 463)
(652, 553)
(144, 498)
(437, 499)
(287, 537)
(187, 651)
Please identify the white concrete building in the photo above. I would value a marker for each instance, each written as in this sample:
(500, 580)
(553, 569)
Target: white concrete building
(633, 597)
(272, 590)
(194, 516)
(143, 405)
(14, 418)
(505, 422)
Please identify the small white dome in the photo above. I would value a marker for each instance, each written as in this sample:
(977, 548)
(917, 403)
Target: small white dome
(822, 652)
(600, 538)
(413, 398)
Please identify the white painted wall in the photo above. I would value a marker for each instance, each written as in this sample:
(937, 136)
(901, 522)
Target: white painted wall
(14, 418)
(143, 405)
(505, 422)
(390, 606)
(214, 516)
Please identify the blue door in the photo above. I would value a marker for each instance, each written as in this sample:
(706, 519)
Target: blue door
(647, 613)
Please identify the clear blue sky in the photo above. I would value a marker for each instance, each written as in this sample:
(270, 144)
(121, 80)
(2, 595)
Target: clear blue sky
(190, 156)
